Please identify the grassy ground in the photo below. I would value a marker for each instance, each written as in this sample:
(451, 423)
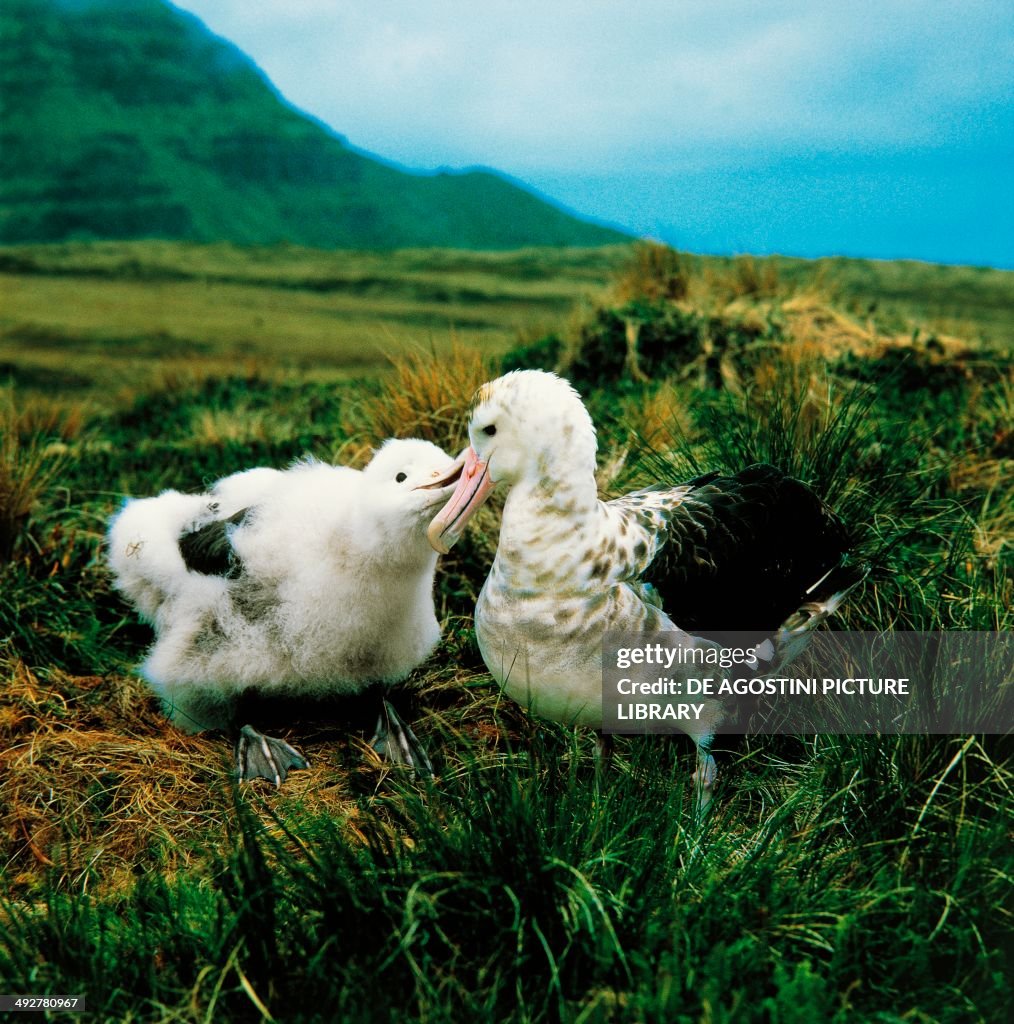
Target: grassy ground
(94, 321)
(839, 879)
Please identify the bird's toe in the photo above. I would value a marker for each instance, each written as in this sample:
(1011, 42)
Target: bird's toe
(394, 741)
(265, 757)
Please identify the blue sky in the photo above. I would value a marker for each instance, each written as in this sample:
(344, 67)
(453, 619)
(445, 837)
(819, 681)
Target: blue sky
(880, 128)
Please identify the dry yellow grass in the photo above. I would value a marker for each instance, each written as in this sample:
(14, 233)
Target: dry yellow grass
(657, 272)
(814, 335)
(96, 779)
(817, 327)
(653, 271)
(754, 293)
(97, 786)
(28, 462)
(75, 761)
(426, 395)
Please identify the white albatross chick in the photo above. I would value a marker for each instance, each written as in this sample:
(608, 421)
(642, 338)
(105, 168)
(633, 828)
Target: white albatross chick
(314, 581)
(756, 551)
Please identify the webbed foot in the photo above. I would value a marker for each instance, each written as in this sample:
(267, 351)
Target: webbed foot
(264, 757)
(394, 741)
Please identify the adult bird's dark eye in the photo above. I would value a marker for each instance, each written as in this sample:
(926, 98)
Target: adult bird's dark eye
(401, 478)
(490, 430)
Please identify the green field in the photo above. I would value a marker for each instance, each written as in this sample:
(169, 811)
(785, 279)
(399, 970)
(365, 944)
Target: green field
(843, 879)
(88, 320)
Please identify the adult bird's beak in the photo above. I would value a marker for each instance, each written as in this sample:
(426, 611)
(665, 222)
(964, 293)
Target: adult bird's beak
(474, 487)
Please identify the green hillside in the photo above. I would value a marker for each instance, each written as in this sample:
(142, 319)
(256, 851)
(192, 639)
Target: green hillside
(128, 119)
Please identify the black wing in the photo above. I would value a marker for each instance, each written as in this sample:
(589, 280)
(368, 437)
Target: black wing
(208, 549)
(743, 552)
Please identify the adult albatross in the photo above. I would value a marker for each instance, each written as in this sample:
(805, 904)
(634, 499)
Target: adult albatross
(313, 581)
(756, 551)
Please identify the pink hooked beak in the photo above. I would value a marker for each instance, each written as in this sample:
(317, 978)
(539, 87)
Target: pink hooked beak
(474, 487)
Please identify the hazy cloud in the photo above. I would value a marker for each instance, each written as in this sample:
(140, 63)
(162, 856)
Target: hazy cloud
(564, 84)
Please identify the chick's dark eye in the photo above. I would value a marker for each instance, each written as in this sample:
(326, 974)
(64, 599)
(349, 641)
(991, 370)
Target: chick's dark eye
(401, 478)
(490, 430)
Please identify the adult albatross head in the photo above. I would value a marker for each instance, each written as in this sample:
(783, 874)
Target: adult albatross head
(529, 428)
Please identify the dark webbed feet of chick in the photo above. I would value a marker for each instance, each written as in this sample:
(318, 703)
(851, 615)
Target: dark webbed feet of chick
(264, 757)
(394, 741)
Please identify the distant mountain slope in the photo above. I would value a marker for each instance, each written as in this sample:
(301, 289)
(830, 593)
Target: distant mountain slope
(129, 119)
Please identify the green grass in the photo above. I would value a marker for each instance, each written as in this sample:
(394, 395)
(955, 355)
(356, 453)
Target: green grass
(94, 322)
(840, 878)
(865, 885)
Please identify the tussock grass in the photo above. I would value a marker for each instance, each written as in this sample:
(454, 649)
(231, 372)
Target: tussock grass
(654, 271)
(714, 322)
(28, 461)
(526, 887)
(424, 395)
